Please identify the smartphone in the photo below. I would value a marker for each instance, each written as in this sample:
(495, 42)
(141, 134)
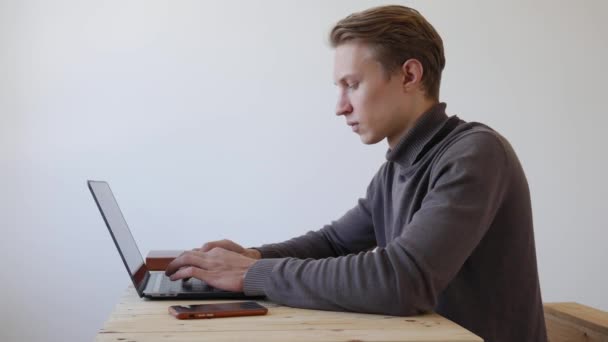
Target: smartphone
(217, 310)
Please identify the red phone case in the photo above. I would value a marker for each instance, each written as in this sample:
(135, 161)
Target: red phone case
(232, 309)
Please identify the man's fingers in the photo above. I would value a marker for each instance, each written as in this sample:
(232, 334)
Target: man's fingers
(225, 244)
(189, 258)
(211, 245)
(190, 272)
(207, 246)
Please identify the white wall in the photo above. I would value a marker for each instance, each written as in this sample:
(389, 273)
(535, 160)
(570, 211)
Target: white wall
(215, 119)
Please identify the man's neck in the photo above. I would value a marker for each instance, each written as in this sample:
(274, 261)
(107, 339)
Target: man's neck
(419, 109)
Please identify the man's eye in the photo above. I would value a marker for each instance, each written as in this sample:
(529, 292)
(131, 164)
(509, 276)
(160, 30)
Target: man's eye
(352, 85)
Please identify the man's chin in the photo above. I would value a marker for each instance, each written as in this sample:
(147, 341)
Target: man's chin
(370, 140)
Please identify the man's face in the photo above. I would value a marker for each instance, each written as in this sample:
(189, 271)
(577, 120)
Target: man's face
(371, 103)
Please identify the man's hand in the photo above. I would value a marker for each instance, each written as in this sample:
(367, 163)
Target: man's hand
(232, 246)
(220, 268)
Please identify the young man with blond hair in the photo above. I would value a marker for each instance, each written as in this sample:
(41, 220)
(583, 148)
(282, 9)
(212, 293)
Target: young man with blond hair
(446, 224)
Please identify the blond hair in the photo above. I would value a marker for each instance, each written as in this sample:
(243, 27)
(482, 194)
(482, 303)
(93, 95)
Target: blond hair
(396, 33)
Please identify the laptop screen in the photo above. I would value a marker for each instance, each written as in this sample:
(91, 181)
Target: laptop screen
(120, 232)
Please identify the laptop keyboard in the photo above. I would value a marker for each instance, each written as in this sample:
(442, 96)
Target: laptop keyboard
(192, 285)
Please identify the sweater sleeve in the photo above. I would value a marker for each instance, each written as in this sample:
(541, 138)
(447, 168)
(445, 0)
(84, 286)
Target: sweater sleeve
(467, 186)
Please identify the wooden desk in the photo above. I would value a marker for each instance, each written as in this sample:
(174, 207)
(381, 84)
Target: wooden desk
(136, 319)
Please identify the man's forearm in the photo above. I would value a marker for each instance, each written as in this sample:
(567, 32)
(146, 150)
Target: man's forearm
(352, 233)
(361, 283)
(311, 245)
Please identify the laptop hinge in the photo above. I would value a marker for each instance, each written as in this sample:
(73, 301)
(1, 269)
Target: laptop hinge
(144, 284)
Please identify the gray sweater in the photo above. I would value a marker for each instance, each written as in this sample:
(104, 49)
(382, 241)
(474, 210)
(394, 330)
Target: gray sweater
(450, 215)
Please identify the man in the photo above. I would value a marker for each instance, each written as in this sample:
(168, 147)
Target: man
(449, 212)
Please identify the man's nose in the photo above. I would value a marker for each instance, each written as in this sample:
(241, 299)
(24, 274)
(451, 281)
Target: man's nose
(343, 106)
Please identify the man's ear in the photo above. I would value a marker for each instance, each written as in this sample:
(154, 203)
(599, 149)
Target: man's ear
(412, 72)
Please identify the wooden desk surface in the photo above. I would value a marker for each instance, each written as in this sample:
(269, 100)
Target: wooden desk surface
(136, 319)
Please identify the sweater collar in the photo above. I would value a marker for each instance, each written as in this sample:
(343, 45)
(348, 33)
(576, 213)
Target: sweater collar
(411, 144)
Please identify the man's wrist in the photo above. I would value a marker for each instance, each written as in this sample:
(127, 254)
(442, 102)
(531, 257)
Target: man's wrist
(256, 276)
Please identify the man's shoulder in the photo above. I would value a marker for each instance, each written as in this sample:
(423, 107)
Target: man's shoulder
(464, 140)
(474, 138)
(475, 130)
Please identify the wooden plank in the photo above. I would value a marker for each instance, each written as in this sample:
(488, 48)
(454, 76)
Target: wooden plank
(135, 319)
(580, 314)
(575, 322)
(303, 336)
(274, 320)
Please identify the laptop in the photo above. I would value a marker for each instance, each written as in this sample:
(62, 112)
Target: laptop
(152, 285)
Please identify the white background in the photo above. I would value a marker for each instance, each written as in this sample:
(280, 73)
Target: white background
(214, 119)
